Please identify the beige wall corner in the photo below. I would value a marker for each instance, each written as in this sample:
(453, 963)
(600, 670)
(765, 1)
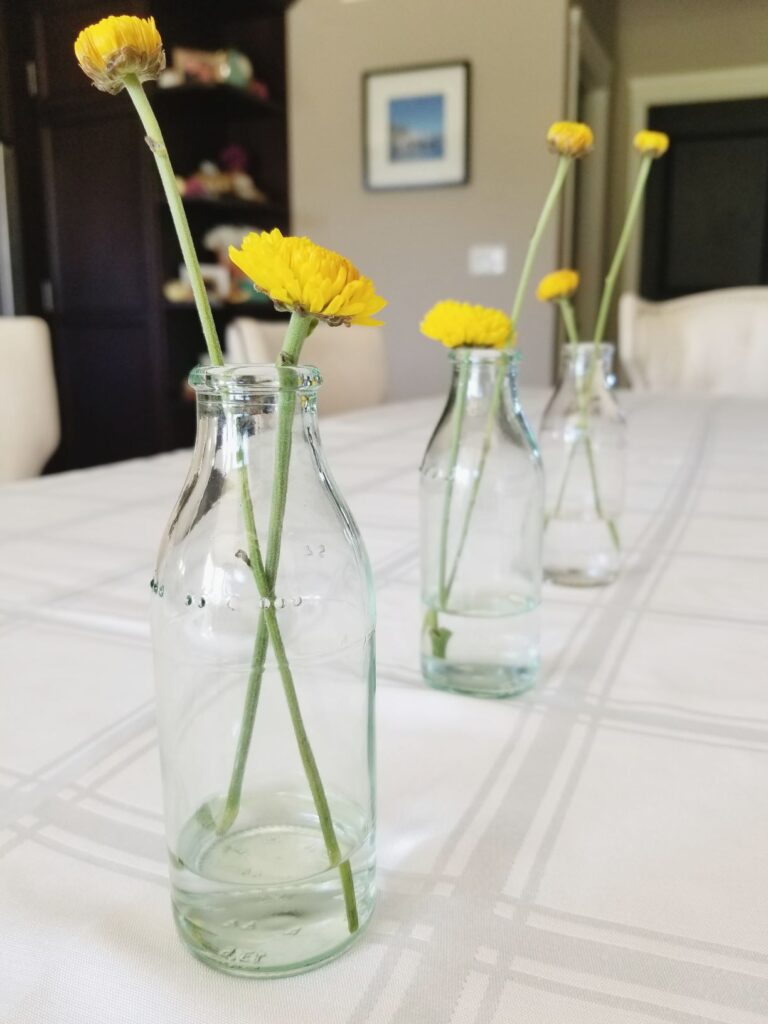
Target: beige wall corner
(414, 243)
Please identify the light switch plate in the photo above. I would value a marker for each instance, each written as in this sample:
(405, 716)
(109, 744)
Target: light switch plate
(487, 260)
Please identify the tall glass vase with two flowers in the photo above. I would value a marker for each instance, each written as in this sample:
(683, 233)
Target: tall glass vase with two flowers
(583, 428)
(263, 615)
(482, 490)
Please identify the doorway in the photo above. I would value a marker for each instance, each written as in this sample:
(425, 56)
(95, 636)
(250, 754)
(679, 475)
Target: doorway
(706, 208)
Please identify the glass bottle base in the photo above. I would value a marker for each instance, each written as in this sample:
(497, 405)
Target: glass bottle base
(261, 901)
(241, 959)
(565, 577)
(479, 679)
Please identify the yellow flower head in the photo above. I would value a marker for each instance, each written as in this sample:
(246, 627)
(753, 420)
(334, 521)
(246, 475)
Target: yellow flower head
(653, 144)
(305, 278)
(560, 284)
(570, 138)
(458, 323)
(118, 46)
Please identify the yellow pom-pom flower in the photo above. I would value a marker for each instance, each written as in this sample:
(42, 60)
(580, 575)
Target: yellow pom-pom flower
(653, 144)
(118, 46)
(307, 279)
(458, 323)
(570, 138)
(560, 284)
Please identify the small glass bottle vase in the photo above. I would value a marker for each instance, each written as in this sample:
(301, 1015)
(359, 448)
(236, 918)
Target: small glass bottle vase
(264, 669)
(482, 498)
(582, 437)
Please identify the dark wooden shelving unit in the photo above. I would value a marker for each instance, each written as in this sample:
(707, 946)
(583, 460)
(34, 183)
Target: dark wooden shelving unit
(98, 237)
(222, 94)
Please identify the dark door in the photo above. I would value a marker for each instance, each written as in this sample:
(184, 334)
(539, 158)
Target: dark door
(706, 207)
(99, 238)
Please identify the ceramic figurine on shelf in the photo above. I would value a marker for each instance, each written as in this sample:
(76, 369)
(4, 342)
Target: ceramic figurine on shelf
(225, 178)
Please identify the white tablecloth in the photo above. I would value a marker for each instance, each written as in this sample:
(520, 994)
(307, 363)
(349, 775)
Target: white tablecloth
(593, 853)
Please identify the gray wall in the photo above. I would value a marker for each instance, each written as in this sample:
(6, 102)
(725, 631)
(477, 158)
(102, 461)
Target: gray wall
(414, 243)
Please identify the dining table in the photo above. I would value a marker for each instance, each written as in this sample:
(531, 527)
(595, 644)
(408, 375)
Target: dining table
(594, 851)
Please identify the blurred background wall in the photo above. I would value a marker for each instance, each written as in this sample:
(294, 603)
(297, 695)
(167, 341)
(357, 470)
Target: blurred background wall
(414, 243)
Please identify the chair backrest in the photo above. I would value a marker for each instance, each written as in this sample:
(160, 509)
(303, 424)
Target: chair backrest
(352, 360)
(713, 342)
(29, 411)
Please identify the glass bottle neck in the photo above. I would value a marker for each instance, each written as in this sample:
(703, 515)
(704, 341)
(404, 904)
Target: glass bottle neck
(481, 373)
(583, 360)
(236, 406)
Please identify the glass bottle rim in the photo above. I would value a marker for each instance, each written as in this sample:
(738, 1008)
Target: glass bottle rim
(246, 380)
(586, 345)
(481, 354)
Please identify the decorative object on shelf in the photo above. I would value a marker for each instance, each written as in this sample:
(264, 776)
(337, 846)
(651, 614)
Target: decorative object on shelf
(480, 548)
(207, 67)
(216, 280)
(583, 429)
(219, 240)
(229, 177)
(263, 619)
(416, 132)
(482, 492)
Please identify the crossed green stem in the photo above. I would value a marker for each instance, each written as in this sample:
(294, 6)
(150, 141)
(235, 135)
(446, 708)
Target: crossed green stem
(268, 631)
(265, 575)
(582, 396)
(440, 636)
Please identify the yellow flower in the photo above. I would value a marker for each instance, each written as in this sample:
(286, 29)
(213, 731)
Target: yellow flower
(560, 284)
(305, 278)
(459, 323)
(570, 138)
(118, 46)
(653, 144)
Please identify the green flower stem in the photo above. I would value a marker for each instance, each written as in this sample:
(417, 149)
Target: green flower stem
(265, 576)
(298, 329)
(569, 320)
(266, 590)
(268, 628)
(156, 143)
(583, 398)
(621, 248)
(596, 492)
(561, 173)
(458, 423)
(495, 400)
(440, 637)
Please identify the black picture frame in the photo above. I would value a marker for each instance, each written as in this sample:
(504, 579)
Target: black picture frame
(382, 169)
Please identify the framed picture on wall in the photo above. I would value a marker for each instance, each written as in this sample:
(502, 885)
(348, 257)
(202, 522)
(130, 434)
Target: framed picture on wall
(416, 126)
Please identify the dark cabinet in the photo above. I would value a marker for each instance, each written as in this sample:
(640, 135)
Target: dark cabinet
(101, 241)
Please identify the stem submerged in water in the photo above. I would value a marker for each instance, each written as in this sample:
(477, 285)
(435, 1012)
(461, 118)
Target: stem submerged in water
(265, 575)
(439, 635)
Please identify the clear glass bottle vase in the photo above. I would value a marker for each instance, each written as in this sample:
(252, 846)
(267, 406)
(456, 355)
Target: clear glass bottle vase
(264, 671)
(582, 438)
(481, 521)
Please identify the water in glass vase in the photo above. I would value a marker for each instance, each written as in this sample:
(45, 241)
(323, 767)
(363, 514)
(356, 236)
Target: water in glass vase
(262, 899)
(490, 652)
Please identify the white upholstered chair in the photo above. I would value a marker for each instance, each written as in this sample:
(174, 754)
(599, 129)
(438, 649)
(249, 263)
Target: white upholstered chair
(29, 411)
(352, 360)
(713, 342)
